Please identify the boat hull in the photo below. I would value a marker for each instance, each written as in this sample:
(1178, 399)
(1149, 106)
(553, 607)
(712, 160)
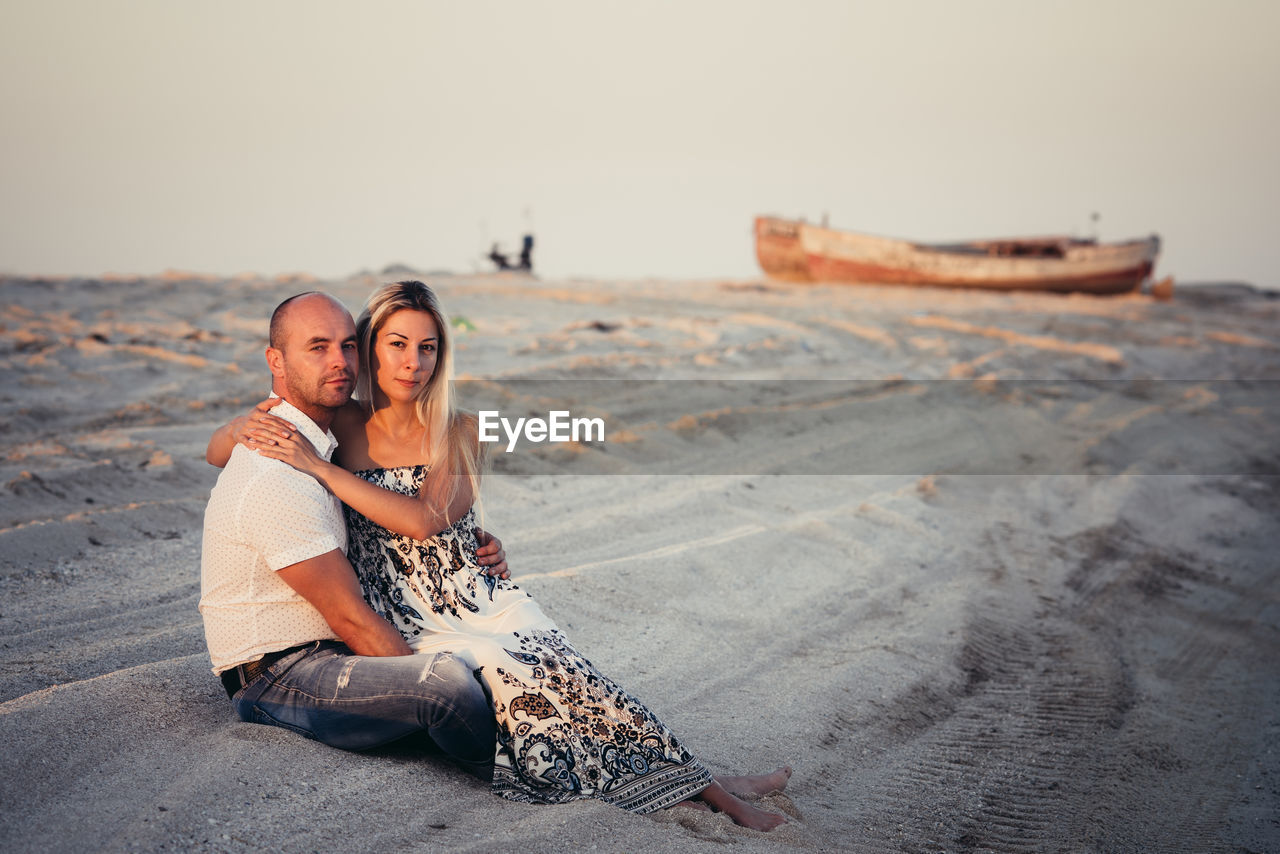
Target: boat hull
(1045, 264)
(779, 251)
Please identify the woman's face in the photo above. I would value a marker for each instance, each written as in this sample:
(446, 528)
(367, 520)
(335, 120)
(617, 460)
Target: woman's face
(404, 354)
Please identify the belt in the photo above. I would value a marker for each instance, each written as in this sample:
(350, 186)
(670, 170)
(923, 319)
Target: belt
(235, 678)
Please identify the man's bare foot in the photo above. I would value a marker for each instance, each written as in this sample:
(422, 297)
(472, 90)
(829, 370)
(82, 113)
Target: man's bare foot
(740, 811)
(757, 784)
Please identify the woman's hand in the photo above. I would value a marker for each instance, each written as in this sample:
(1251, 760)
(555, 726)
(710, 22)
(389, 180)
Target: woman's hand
(254, 430)
(290, 446)
(490, 555)
(260, 428)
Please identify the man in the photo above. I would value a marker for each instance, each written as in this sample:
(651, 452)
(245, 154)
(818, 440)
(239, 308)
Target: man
(288, 630)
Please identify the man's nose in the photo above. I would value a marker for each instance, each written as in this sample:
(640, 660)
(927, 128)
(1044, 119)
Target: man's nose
(339, 357)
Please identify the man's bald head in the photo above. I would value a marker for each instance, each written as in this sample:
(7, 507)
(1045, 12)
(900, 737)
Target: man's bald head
(280, 317)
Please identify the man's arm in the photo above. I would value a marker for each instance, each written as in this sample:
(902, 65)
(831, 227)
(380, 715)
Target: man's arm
(491, 555)
(328, 582)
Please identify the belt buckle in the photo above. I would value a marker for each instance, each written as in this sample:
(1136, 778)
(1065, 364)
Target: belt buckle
(241, 675)
(251, 670)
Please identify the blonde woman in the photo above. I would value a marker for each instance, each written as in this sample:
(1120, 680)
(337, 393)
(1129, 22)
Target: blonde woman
(407, 471)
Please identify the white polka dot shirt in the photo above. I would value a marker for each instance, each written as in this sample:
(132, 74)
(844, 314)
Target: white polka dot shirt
(264, 515)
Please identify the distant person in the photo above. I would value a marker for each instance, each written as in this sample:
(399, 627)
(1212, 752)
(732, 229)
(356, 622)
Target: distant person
(498, 258)
(502, 262)
(406, 458)
(526, 253)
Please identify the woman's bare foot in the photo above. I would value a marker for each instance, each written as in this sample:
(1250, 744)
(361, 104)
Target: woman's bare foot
(740, 811)
(757, 784)
(746, 815)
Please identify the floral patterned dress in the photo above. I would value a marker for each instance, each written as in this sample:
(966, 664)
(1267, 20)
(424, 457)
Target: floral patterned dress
(564, 731)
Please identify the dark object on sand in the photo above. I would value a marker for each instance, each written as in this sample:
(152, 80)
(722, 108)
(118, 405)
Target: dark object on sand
(525, 263)
(795, 251)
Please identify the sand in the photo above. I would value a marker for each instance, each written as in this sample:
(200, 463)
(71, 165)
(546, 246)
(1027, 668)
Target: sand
(990, 571)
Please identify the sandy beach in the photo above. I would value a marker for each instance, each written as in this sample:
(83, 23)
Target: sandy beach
(992, 572)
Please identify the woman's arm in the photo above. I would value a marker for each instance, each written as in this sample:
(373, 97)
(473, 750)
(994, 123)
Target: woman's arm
(414, 516)
(257, 427)
(417, 516)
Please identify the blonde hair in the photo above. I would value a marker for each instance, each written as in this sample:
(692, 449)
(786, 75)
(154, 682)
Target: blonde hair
(449, 438)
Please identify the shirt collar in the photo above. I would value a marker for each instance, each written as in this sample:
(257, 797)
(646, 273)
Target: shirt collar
(322, 440)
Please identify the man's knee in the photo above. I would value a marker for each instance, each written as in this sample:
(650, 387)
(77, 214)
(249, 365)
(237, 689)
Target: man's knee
(465, 728)
(465, 685)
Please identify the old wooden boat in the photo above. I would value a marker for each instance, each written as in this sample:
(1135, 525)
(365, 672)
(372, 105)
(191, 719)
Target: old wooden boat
(792, 250)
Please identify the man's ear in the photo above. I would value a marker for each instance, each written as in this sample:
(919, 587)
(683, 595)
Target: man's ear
(275, 361)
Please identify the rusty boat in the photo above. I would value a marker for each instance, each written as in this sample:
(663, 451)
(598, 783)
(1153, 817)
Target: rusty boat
(796, 251)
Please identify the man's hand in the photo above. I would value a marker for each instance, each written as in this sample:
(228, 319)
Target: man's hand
(490, 555)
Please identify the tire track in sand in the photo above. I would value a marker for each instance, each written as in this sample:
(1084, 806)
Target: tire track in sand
(1099, 713)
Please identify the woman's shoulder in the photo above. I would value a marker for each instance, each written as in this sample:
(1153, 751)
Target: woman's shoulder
(466, 428)
(464, 436)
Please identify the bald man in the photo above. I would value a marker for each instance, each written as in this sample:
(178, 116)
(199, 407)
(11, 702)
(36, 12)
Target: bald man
(288, 629)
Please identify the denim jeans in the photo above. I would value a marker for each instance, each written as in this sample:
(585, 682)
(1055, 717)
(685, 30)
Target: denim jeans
(358, 702)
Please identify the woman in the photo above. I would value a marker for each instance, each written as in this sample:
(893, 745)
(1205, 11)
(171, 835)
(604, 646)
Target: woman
(564, 730)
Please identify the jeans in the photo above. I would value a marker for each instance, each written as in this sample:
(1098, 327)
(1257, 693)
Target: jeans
(358, 702)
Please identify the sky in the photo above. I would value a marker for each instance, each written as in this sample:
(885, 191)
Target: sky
(633, 140)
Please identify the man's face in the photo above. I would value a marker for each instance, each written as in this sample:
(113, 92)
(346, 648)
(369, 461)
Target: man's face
(318, 363)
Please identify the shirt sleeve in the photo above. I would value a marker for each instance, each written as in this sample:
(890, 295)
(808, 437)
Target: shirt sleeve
(288, 517)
